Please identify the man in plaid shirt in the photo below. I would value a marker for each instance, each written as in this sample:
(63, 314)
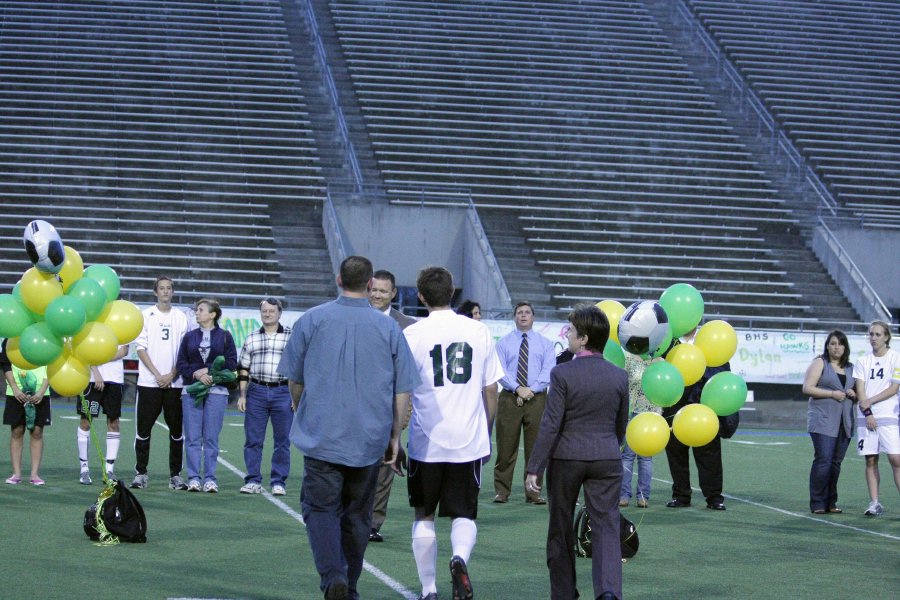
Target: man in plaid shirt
(265, 395)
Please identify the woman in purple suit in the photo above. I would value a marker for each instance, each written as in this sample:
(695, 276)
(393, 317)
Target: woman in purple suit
(579, 443)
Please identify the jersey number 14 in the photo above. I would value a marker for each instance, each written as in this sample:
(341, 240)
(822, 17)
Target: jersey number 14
(457, 362)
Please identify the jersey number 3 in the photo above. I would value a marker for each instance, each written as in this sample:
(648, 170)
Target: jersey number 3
(458, 363)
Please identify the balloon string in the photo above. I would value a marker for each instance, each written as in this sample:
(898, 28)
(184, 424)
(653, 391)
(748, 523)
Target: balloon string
(87, 414)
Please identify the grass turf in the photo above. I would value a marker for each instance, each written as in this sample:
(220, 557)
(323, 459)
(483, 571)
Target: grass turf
(228, 545)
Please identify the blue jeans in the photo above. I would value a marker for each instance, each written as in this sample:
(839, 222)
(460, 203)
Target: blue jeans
(264, 403)
(336, 502)
(826, 468)
(645, 473)
(202, 425)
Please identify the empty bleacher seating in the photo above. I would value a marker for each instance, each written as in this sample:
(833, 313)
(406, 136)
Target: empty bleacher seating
(576, 125)
(827, 71)
(155, 136)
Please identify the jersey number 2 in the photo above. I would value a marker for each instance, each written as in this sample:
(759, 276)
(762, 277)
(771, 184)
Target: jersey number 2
(458, 363)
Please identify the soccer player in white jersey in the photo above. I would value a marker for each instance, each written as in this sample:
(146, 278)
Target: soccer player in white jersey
(877, 378)
(450, 431)
(159, 385)
(104, 391)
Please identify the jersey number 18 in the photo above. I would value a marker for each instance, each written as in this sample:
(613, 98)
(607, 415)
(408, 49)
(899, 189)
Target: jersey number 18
(458, 363)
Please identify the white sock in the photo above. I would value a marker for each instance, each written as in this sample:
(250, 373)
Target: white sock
(83, 437)
(112, 448)
(462, 537)
(424, 545)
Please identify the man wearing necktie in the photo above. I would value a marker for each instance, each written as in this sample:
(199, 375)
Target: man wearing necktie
(527, 359)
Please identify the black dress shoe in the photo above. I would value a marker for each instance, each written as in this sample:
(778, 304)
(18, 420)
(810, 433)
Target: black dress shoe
(607, 596)
(715, 505)
(374, 536)
(676, 503)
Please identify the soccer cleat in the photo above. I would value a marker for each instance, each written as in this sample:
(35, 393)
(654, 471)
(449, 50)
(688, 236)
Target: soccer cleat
(177, 483)
(278, 490)
(140, 481)
(431, 596)
(251, 488)
(875, 509)
(194, 485)
(211, 487)
(85, 478)
(111, 475)
(462, 587)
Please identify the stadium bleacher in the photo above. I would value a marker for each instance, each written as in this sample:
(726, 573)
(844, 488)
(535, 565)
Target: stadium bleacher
(827, 71)
(157, 137)
(579, 128)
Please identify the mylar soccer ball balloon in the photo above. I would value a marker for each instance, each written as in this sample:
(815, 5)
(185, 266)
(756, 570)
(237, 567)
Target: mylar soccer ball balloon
(643, 327)
(44, 247)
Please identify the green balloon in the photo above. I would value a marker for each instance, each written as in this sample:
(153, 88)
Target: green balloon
(107, 279)
(663, 346)
(65, 316)
(613, 353)
(91, 294)
(14, 317)
(39, 345)
(662, 383)
(725, 393)
(17, 294)
(684, 307)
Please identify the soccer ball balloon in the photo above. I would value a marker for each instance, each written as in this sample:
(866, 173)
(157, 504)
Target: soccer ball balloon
(44, 247)
(643, 327)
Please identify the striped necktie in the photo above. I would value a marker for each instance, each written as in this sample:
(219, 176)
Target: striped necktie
(522, 368)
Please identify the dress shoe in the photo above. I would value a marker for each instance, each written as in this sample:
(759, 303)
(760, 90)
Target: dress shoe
(376, 537)
(676, 503)
(501, 499)
(835, 510)
(607, 596)
(715, 505)
(337, 590)
(535, 500)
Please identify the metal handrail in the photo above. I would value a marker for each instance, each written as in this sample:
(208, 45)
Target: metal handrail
(335, 96)
(333, 238)
(846, 261)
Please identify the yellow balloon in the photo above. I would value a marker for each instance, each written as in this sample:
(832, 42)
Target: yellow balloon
(690, 362)
(613, 311)
(68, 376)
(72, 269)
(695, 425)
(718, 341)
(15, 355)
(647, 434)
(95, 344)
(124, 319)
(39, 289)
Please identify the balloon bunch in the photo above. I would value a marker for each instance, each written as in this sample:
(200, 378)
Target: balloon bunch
(664, 382)
(65, 316)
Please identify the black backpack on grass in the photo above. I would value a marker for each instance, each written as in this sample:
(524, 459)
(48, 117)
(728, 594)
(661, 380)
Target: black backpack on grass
(583, 544)
(117, 516)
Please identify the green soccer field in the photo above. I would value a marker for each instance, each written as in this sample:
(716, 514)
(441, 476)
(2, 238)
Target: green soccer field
(228, 545)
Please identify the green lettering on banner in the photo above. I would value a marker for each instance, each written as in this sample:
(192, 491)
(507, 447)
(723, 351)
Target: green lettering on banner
(758, 357)
(240, 329)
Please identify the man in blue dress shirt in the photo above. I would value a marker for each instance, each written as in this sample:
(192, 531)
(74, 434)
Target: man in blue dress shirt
(527, 358)
(350, 373)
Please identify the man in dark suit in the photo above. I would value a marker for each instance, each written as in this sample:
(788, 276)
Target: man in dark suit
(382, 293)
(581, 434)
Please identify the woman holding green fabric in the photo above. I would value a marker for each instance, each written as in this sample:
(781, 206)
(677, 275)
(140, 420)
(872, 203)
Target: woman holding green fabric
(203, 417)
(27, 407)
